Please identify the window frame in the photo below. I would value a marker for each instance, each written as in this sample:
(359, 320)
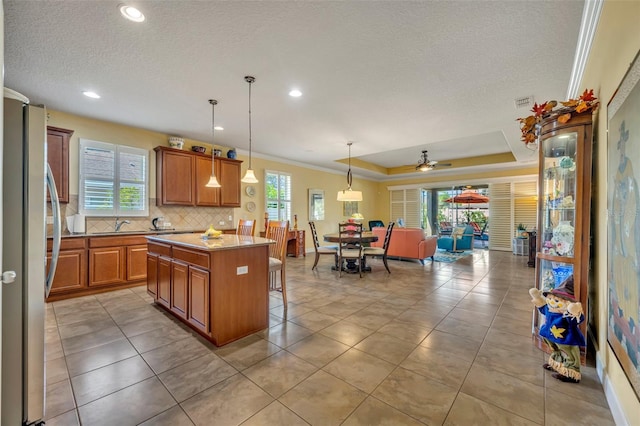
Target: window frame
(282, 203)
(116, 181)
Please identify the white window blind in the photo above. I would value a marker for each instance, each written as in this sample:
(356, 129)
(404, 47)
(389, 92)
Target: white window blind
(405, 204)
(510, 203)
(113, 180)
(278, 195)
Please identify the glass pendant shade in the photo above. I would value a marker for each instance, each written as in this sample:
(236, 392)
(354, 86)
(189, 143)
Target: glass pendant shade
(249, 177)
(213, 182)
(349, 194)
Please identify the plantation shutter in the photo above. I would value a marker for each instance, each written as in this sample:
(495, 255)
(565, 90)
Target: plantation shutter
(510, 203)
(525, 204)
(405, 204)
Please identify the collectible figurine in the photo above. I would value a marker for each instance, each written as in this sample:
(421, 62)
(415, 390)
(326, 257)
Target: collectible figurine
(560, 330)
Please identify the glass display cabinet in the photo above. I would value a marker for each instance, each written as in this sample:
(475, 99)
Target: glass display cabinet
(564, 203)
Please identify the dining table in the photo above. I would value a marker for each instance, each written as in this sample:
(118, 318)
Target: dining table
(351, 265)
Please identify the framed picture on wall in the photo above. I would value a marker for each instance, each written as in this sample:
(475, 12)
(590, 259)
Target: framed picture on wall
(316, 204)
(623, 223)
(349, 208)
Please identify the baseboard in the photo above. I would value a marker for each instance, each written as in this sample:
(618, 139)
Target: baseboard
(612, 399)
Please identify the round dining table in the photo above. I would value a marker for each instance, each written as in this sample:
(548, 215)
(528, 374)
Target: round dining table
(352, 266)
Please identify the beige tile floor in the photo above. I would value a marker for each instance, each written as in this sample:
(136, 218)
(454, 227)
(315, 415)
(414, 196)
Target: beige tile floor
(436, 344)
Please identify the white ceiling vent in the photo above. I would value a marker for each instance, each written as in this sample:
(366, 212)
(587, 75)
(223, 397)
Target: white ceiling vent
(524, 101)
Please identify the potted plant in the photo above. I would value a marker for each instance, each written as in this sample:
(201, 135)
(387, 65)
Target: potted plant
(522, 230)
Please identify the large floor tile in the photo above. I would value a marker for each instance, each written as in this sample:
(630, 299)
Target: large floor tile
(323, 399)
(376, 412)
(438, 364)
(279, 373)
(174, 354)
(424, 399)
(157, 337)
(99, 356)
(346, 332)
(285, 333)
(275, 414)
(174, 416)
(59, 399)
(412, 333)
(468, 410)
(556, 413)
(318, 350)
(228, 403)
(246, 352)
(360, 369)
(505, 391)
(196, 375)
(386, 347)
(129, 406)
(83, 342)
(95, 384)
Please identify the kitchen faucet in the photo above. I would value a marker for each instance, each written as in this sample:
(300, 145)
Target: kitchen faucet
(119, 224)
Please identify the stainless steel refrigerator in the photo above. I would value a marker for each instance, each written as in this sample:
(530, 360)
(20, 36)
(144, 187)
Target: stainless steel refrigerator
(25, 180)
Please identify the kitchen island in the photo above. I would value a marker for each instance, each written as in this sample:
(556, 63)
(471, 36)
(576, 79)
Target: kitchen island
(217, 286)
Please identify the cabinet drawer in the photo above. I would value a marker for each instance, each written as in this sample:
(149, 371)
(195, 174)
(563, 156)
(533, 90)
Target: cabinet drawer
(68, 243)
(95, 242)
(159, 248)
(193, 257)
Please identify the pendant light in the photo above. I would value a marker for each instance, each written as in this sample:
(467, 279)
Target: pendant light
(249, 177)
(213, 182)
(348, 194)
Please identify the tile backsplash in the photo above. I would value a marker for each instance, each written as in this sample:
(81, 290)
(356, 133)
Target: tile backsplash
(182, 218)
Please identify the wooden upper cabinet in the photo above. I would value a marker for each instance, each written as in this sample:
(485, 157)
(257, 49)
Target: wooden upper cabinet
(182, 176)
(58, 159)
(206, 196)
(174, 177)
(229, 175)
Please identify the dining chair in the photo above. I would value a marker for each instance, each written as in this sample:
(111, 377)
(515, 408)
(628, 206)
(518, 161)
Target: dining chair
(279, 232)
(350, 245)
(246, 227)
(381, 251)
(331, 250)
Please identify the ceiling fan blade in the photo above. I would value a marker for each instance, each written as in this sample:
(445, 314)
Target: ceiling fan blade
(444, 164)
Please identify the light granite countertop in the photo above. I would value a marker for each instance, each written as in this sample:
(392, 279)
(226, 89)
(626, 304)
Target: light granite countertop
(223, 242)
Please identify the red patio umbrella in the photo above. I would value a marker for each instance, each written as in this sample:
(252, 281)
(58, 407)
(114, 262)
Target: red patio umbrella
(468, 197)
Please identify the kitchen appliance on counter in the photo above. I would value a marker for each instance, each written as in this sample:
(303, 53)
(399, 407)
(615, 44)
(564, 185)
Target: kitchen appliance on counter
(25, 175)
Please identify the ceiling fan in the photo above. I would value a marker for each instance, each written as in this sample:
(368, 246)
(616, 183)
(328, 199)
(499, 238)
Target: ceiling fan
(424, 164)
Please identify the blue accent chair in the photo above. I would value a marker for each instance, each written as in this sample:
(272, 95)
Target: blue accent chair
(457, 241)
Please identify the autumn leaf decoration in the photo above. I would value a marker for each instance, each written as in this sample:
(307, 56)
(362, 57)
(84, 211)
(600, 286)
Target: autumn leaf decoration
(586, 102)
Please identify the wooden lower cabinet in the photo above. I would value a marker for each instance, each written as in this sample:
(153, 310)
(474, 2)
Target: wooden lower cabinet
(164, 281)
(71, 272)
(152, 274)
(136, 262)
(106, 266)
(179, 287)
(223, 294)
(89, 265)
(198, 315)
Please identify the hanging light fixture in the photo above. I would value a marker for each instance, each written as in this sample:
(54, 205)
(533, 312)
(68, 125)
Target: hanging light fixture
(213, 182)
(249, 177)
(348, 194)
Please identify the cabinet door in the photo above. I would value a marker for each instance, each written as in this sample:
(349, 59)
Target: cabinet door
(106, 266)
(163, 296)
(206, 196)
(152, 275)
(175, 178)
(136, 262)
(58, 159)
(230, 181)
(199, 299)
(179, 288)
(71, 272)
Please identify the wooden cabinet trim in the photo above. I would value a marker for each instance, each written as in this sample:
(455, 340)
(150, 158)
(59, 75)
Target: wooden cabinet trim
(106, 266)
(69, 243)
(112, 241)
(159, 248)
(191, 256)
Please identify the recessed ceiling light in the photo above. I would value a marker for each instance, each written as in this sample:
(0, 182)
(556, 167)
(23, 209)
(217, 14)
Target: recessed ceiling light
(89, 94)
(131, 13)
(219, 128)
(295, 93)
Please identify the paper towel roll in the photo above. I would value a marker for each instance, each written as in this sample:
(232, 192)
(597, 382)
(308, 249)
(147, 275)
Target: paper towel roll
(79, 224)
(70, 223)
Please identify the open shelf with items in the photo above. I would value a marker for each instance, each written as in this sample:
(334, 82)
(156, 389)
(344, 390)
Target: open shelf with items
(564, 200)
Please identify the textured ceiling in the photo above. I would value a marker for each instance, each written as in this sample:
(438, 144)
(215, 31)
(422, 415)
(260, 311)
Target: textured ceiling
(393, 77)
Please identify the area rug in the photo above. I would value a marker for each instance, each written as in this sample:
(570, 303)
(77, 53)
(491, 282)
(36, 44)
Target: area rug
(448, 257)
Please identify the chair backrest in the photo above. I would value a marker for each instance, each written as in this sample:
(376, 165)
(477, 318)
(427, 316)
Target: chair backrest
(314, 235)
(376, 224)
(246, 227)
(279, 231)
(387, 237)
(350, 235)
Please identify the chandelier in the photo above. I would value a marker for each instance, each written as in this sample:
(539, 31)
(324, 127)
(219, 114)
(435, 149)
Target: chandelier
(349, 194)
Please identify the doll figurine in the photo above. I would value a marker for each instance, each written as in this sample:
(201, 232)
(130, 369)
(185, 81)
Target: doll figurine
(560, 330)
